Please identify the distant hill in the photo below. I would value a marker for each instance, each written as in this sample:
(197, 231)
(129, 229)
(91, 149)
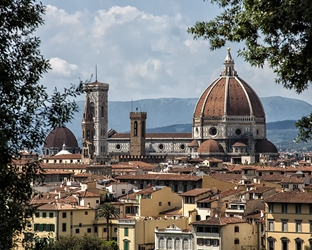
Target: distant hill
(163, 113)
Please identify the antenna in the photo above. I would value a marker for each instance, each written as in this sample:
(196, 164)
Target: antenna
(96, 73)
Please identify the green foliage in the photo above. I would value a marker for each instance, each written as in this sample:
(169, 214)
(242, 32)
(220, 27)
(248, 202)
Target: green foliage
(77, 243)
(107, 211)
(305, 128)
(27, 111)
(273, 31)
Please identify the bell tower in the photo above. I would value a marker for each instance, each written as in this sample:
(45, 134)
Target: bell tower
(137, 133)
(95, 123)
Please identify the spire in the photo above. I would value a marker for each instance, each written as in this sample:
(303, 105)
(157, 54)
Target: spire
(228, 69)
(64, 146)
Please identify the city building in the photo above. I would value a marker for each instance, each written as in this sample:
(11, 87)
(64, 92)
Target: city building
(288, 221)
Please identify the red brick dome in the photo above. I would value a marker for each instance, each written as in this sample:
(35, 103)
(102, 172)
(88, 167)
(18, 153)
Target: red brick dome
(59, 136)
(210, 146)
(229, 95)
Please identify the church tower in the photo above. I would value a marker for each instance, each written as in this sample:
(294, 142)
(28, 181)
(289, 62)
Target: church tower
(95, 123)
(137, 133)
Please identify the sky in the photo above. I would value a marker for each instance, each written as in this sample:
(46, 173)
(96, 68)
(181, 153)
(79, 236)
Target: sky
(141, 49)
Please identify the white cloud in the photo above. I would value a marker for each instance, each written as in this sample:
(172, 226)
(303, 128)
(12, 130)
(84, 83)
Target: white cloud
(140, 53)
(62, 68)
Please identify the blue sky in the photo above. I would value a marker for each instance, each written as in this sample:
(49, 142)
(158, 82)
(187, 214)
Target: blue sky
(141, 48)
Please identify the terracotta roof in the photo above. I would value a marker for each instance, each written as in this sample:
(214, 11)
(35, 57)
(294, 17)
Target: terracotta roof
(174, 211)
(88, 194)
(272, 178)
(62, 166)
(234, 178)
(67, 156)
(159, 177)
(219, 221)
(210, 146)
(260, 190)
(290, 197)
(220, 195)
(154, 135)
(58, 136)
(293, 179)
(211, 159)
(196, 192)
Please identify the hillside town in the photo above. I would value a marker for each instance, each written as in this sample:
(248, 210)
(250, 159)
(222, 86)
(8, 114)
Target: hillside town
(223, 186)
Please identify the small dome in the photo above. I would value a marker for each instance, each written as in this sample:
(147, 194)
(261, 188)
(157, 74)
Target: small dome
(193, 143)
(239, 144)
(59, 136)
(210, 146)
(265, 146)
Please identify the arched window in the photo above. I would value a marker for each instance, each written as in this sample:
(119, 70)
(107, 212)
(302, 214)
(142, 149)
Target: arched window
(177, 244)
(169, 243)
(102, 111)
(135, 128)
(298, 243)
(186, 244)
(92, 109)
(161, 243)
(271, 243)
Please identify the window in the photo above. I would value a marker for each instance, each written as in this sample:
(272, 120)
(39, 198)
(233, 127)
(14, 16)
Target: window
(77, 230)
(284, 208)
(160, 203)
(44, 228)
(95, 230)
(86, 212)
(236, 241)
(36, 227)
(298, 243)
(63, 227)
(126, 233)
(104, 229)
(284, 243)
(189, 200)
(126, 245)
(236, 229)
(310, 226)
(97, 201)
(169, 203)
(64, 215)
(284, 226)
(88, 230)
(80, 225)
(298, 208)
(271, 207)
(270, 244)
(115, 229)
(271, 225)
(51, 215)
(186, 244)
(123, 191)
(51, 227)
(298, 226)
(215, 242)
(37, 214)
(200, 241)
(207, 242)
(44, 215)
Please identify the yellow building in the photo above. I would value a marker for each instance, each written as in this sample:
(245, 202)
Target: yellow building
(139, 233)
(289, 221)
(224, 233)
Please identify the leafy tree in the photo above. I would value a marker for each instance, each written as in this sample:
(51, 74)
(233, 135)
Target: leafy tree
(273, 31)
(27, 111)
(76, 243)
(107, 211)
